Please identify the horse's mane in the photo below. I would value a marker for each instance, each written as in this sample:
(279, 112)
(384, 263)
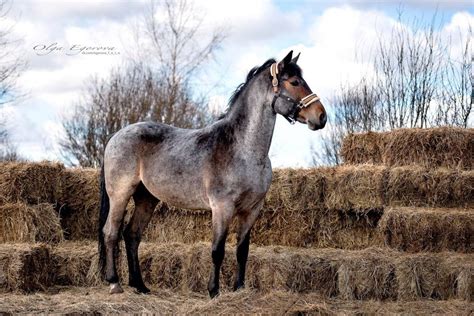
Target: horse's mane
(241, 87)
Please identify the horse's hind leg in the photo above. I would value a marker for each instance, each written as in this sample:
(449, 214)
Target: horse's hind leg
(111, 230)
(145, 204)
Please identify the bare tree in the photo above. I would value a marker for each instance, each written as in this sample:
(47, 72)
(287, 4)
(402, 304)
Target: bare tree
(125, 97)
(456, 98)
(11, 66)
(407, 65)
(356, 109)
(157, 86)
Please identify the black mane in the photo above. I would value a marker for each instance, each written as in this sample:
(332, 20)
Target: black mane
(252, 73)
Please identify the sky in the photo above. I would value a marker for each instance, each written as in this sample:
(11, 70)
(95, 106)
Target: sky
(327, 33)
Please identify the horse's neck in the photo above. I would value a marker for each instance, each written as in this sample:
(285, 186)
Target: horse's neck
(254, 122)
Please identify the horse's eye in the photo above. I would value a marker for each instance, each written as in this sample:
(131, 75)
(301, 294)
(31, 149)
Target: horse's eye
(295, 83)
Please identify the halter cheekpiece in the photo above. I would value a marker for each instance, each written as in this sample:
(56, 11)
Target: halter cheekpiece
(297, 105)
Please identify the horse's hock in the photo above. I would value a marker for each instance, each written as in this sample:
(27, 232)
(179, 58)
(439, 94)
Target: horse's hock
(398, 229)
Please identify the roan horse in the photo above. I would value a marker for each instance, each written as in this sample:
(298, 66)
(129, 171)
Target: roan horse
(223, 167)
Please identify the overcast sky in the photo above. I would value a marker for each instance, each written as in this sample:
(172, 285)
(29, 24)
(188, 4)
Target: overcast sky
(327, 33)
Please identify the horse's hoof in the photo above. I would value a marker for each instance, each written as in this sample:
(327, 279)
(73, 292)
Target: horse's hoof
(115, 288)
(214, 293)
(142, 289)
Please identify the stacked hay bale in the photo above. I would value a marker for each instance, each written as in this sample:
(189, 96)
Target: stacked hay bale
(29, 196)
(376, 228)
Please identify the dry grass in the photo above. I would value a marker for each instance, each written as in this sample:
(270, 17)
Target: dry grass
(95, 301)
(425, 229)
(372, 273)
(20, 222)
(350, 187)
(431, 147)
(79, 199)
(30, 182)
(419, 186)
(24, 267)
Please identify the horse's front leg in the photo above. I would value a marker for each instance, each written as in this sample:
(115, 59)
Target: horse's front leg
(221, 217)
(246, 220)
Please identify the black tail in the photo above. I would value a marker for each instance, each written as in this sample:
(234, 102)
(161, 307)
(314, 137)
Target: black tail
(104, 213)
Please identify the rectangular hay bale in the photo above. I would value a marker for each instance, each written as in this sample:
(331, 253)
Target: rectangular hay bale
(24, 267)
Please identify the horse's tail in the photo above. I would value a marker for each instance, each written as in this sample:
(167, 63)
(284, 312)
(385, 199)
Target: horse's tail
(104, 213)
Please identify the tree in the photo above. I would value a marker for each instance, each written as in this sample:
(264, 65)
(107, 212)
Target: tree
(156, 85)
(11, 66)
(414, 71)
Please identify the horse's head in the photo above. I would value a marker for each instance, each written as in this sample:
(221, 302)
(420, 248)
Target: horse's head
(293, 98)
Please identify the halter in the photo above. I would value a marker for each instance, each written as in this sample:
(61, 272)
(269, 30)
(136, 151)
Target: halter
(297, 105)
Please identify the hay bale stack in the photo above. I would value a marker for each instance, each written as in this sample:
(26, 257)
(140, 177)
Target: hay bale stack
(365, 148)
(30, 182)
(75, 263)
(420, 186)
(80, 203)
(371, 273)
(20, 222)
(356, 188)
(428, 229)
(428, 276)
(24, 267)
(432, 147)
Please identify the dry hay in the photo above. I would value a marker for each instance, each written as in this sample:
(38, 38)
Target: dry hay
(20, 222)
(425, 275)
(80, 203)
(362, 148)
(24, 267)
(351, 187)
(96, 300)
(419, 186)
(30, 182)
(371, 273)
(425, 229)
(432, 147)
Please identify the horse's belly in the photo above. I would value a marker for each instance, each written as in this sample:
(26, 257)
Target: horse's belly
(181, 194)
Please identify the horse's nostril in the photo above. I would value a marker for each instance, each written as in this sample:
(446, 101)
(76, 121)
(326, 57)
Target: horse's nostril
(322, 118)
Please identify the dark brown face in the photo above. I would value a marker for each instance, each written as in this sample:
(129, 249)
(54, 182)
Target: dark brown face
(314, 115)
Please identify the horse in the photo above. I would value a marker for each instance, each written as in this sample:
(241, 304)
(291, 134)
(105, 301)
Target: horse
(223, 168)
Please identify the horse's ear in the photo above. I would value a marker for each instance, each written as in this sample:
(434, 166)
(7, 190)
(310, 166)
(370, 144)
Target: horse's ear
(287, 58)
(285, 61)
(295, 60)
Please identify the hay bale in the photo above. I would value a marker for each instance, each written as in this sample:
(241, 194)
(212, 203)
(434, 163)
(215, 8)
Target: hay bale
(364, 148)
(24, 267)
(371, 273)
(367, 274)
(431, 276)
(350, 187)
(80, 203)
(425, 229)
(20, 222)
(432, 147)
(30, 182)
(75, 263)
(419, 186)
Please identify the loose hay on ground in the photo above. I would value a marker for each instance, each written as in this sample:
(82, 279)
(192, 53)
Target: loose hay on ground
(20, 222)
(428, 229)
(430, 147)
(30, 182)
(97, 301)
